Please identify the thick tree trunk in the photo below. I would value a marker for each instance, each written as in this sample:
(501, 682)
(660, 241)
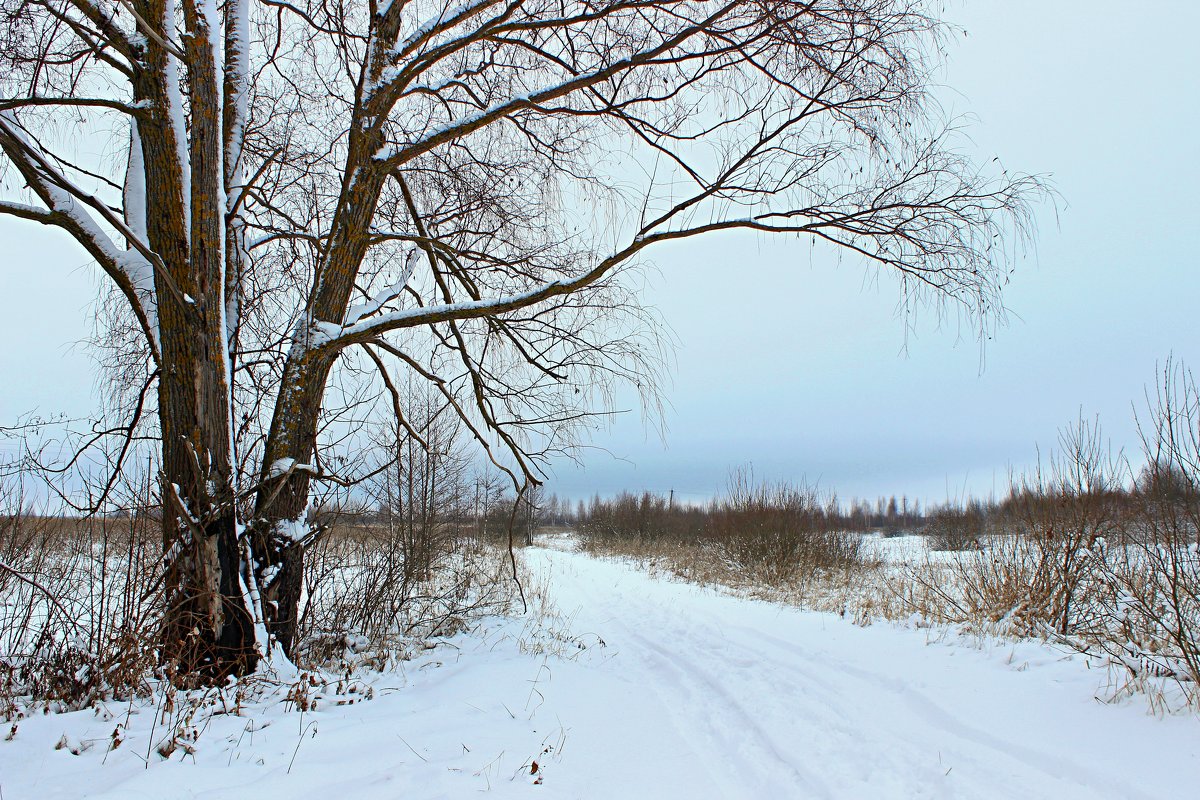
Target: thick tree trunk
(208, 626)
(279, 524)
(283, 495)
(208, 631)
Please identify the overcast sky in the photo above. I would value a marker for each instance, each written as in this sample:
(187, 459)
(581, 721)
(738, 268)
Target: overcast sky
(812, 375)
(808, 372)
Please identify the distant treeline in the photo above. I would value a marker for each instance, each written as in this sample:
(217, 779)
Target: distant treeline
(651, 514)
(788, 507)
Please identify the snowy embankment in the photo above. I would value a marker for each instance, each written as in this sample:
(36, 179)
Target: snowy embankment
(638, 687)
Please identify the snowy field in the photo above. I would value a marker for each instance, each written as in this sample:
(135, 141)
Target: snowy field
(624, 686)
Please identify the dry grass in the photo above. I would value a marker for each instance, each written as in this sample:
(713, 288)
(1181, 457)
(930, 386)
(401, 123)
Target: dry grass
(81, 604)
(367, 604)
(78, 605)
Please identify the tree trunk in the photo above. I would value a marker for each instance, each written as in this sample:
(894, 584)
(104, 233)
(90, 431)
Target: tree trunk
(283, 495)
(208, 626)
(278, 528)
(208, 631)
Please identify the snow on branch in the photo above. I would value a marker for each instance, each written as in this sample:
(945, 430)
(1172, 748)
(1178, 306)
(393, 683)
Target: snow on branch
(391, 292)
(326, 334)
(133, 109)
(146, 28)
(67, 205)
(444, 20)
(899, 232)
(116, 36)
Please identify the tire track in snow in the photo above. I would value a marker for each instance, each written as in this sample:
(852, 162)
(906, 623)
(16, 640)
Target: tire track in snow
(726, 666)
(712, 698)
(939, 718)
(701, 701)
(839, 738)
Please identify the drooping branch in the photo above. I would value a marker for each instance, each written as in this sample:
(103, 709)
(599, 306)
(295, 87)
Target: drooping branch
(129, 270)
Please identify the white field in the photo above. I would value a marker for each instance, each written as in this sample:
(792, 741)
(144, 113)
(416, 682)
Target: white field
(643, 688)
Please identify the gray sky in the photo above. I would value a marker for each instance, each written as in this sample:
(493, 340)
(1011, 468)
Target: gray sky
(812, 374)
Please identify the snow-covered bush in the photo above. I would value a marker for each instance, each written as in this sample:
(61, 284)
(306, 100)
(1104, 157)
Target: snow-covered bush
(950, 528)
(1148, 617)
(1081, 554)
(778, 532)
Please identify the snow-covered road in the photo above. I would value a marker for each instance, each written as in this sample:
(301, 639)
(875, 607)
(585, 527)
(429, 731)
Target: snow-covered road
(760, 701)
(657, 689)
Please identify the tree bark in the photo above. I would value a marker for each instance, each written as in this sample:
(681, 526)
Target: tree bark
(208, 625)
(282, 499)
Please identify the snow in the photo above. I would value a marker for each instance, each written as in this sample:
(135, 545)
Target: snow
(282, 466)
(389, 293)
(446, 14)
(135, 186)
(629, 686)
(445, 19)
(237, 39)
(294, 529)
(175, 112)
(323, 334)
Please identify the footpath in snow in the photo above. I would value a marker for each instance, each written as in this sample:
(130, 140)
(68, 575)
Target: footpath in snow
(644, 688)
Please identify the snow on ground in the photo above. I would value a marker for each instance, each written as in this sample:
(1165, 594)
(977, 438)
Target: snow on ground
(647, 688)
(905, 549)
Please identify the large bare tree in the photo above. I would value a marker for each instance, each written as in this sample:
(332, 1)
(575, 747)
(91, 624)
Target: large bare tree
(290, 196)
